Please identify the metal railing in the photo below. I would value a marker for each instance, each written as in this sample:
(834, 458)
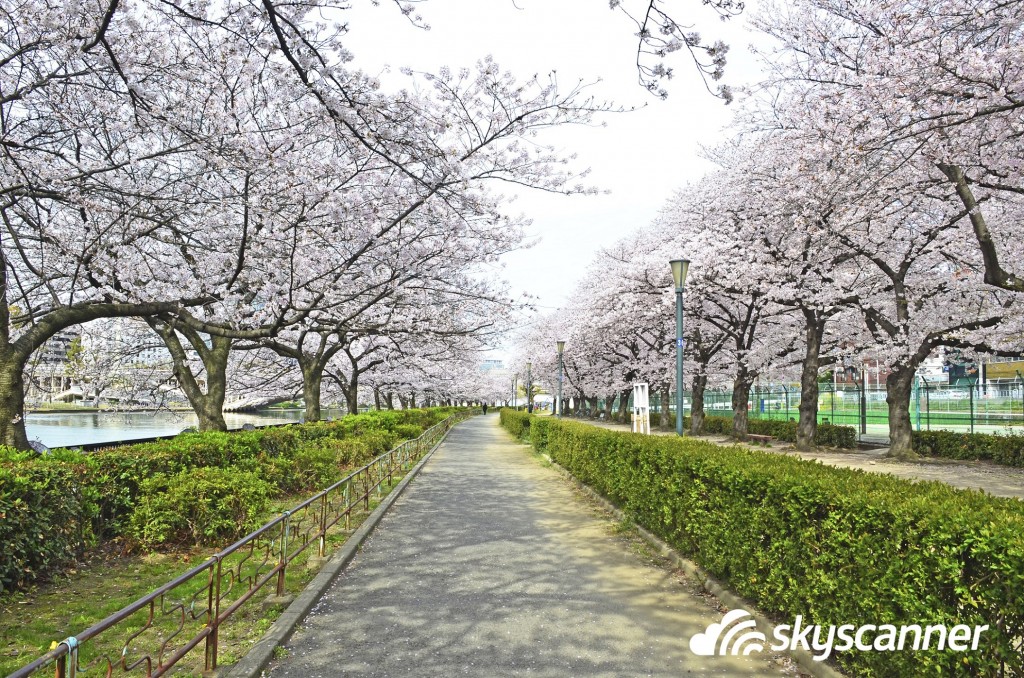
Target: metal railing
(190, 610)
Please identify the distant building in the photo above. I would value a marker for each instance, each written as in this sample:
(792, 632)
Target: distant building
(55, 350)
(488, 365)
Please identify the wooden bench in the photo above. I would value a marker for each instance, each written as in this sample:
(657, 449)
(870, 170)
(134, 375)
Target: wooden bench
(759, 438)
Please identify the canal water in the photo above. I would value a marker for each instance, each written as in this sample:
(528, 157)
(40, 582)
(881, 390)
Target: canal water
(70, 429)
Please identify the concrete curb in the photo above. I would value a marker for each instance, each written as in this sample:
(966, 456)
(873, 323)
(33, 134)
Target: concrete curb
(260, 654)
(728, 599)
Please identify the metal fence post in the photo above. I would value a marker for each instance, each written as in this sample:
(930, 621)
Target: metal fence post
(348, 504)
(917, 401)
(863, 407)
(321, 550)
(927, 405)
(285, 527)
(67, 666)
(213, 610)
(970, 395)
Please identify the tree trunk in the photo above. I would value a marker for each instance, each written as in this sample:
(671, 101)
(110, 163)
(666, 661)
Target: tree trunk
(412, 401)
(209, 404)
(312, 377)
(389, 400)
(403, 402)
(740, 395)
(807, 428)
(898, 387)
(700, 384)
(623, 414)
(12, 403)
(351, 391)
(666, 416)
(608, 402)
(376, 398)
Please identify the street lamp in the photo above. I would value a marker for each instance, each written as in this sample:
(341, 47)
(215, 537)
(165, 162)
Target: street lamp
(561, 347)
(529, 387)
(679, 269)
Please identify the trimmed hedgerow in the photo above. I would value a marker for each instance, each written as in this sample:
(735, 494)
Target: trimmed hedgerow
(195, 488)
(516, 422)
(837, 546)
(198, 506)
(829, 435)
(1007, 450)
(45, 517)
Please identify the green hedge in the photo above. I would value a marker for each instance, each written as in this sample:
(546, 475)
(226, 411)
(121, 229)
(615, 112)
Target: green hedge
(829, 435)
(518, 423)
(838, 546)
(1001, 449)
(195, 488)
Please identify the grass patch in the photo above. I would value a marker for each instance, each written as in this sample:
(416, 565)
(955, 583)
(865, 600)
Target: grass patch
(32, 621)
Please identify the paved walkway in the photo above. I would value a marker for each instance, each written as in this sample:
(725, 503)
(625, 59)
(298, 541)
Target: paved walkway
(1001, 481)
(490, 566)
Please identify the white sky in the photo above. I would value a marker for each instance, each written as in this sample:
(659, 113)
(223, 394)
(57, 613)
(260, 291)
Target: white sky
(642, 156)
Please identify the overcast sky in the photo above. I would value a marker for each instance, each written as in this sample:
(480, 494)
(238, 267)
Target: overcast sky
(641, 156)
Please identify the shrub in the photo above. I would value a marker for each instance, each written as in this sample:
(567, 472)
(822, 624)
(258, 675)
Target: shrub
(1001, 449)
(835, 545)
(408, 431)
(830, 435)
(280, 442)
(45, 518)
(193, 488)
(516, 422)
(199, 506)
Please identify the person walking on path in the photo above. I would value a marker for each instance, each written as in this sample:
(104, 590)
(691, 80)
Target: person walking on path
(489, 565)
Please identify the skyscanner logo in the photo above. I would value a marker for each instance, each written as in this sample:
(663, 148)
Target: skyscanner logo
(737, 634)
(741, 637)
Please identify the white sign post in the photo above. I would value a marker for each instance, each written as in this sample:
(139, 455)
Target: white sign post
(641, 409)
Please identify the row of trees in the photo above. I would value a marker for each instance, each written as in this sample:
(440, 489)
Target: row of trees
(221, 173)
(123, 361)
(868, 207)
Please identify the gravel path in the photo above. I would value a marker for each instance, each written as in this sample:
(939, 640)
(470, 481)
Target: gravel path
(490, 566)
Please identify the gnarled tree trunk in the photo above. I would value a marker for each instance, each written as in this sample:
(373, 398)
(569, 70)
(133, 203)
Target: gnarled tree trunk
(12, 401)
(740, 395)
(898, 389)
(807, 427)
(623, 414)
(312, 378)
(700, 384)
(666, 414)
(209, 404)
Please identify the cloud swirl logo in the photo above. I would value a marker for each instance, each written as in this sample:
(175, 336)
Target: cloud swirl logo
(739, 638)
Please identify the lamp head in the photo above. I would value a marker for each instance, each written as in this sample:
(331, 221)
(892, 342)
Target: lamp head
(529, 366)
(561, 346)
(679, 269)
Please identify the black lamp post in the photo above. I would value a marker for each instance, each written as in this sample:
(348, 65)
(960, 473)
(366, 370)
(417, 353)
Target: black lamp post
(561, 347)
(679, 269)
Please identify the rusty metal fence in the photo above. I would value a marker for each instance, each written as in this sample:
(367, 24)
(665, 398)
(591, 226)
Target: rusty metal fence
(168, 623)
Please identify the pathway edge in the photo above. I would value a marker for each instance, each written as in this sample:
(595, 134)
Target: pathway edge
(260, 654)
(729, 599)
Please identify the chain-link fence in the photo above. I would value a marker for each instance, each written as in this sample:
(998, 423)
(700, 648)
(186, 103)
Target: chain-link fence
(993, 407)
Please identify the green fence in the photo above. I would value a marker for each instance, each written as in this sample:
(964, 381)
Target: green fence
(971, 408)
